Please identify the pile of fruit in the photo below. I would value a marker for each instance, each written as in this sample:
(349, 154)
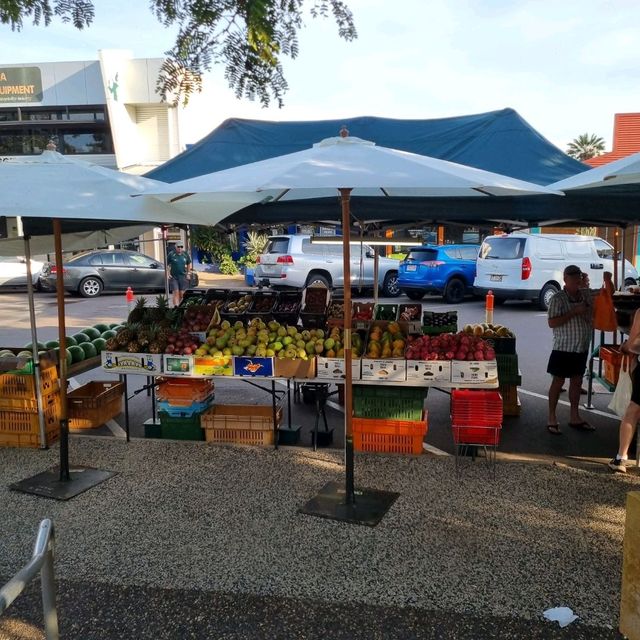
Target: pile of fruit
(449, 346)
(336, 310)
(410, 312)
(362, 311)
(386, 341)
(488, 330)
(197, 318)
(315, 300)
(287, 305)
(386, 312)
(440, 319)
(263, 303)
(240, 305)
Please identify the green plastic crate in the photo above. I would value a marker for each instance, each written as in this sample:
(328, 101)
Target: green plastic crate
(180, 428)
(508, 372)
(388, 404)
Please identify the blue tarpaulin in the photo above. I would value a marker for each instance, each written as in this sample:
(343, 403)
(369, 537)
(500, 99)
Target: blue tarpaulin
(499, 141)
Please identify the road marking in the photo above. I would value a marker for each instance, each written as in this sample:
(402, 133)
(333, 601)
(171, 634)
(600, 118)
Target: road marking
(115, 428)
(568, 404)
(434, 450)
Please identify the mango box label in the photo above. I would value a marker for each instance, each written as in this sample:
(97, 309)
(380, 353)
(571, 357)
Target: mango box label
(429, 370)
(395, 370)
(333, 368)
(178, 365)
(252, 367)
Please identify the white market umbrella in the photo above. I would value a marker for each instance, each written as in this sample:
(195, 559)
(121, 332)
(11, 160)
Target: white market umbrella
(347, 166)
(57, 187)
(625, 171)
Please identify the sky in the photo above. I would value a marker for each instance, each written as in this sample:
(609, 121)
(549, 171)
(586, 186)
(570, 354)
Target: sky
(567, 67)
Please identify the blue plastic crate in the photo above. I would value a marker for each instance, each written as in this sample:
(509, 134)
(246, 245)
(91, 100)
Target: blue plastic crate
(181, 411)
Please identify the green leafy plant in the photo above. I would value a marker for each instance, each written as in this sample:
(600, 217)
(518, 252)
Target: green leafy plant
(228, 266)
(254, 245)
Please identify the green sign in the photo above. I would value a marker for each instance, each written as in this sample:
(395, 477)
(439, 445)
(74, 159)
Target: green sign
(20, 84)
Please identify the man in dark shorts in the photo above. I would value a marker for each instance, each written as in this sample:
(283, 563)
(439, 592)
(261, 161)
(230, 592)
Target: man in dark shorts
(178, 262)
(571, 319)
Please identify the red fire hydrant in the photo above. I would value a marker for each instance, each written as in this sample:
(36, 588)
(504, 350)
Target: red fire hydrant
(130, 298)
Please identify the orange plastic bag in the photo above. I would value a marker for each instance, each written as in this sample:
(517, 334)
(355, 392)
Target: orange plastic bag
(604, 315)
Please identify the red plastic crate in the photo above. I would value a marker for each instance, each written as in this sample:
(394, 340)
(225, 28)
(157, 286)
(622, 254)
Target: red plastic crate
(476, 408)
(478, 435)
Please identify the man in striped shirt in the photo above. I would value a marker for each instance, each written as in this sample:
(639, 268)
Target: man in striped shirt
(571, 319)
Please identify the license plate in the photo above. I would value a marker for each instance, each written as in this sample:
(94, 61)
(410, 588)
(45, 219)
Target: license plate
(495, 278)
(412, 267)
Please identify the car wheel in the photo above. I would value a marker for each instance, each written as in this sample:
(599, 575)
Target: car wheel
(630, 282)
(454, 291)
(390, 288)
(547, 292)
(316, 279)
(414, 294)
(90, 287)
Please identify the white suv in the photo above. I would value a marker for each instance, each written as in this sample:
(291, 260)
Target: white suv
(294, 261)
(529, 266)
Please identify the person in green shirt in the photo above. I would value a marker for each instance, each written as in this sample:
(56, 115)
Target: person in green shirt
(178, 263)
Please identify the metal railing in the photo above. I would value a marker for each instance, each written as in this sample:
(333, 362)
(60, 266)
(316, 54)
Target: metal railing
(41, 561)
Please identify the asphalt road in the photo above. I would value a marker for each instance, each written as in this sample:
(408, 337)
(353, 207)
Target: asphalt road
(524, 435)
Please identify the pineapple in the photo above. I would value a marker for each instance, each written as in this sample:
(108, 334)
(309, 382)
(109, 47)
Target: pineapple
(144, 336)
(112, 344)
(133, 347)
(161, 311)
(139, 312)
(156, 345)
(124, 335)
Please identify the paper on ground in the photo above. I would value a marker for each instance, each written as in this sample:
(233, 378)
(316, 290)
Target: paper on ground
(562, 615)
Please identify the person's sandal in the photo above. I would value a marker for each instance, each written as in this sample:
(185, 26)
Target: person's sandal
(582, 426)
(554, 429)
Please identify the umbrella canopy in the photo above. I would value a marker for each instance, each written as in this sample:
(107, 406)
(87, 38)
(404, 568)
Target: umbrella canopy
(335, 163)
(56, 186)
(625, 171)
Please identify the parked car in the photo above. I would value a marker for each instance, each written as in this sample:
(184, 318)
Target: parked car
(91, 273)
(294, 261)
(446, 270)
(13, 272)
(529, 266)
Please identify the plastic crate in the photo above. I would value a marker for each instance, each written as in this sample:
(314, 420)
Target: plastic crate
(18, 386)
(94, 403)
(411, 311)
(182, 391)
(477, 435)
(441, 319)
(508, 372)
(435, 331)
(19, 429)
(172, 428)
(611, 353)
(287, 300)
(476, 408)
(185, 411)
(216, 295)
(29, 405)
(240, 416)
(362, 312)
(502, 345)
(389, 436)
(390, 403)
(316, 300)
(193, 296)
(259, 298)
(610, 372)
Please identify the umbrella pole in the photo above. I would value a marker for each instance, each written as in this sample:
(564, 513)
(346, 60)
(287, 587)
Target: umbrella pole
(348, 376)
(64, 420)
(34, 345)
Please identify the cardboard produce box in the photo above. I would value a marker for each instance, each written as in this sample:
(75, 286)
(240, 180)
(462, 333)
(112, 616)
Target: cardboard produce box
(250, 367)
(466, 372)
(333, 368)
(395, 370)
(138, 363)
(429, 370)
(286, 368)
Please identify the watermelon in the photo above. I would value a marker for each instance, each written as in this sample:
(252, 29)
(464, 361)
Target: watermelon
(113, 325)
(80, 338)
(69, 357)
(30, 346)
(91, 332)
(89, 349)
(52, 344)
(70, 341)
(101, 327)
(25, 354)
(5, 353)
(100, 344)
(109, 333)
(77, 354)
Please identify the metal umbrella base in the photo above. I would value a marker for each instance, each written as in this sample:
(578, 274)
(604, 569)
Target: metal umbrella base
(368, 508)
(48, 484)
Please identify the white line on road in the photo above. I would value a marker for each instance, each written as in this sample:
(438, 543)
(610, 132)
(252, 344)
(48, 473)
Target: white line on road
(567, 404)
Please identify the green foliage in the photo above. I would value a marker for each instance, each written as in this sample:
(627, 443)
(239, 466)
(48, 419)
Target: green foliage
(254, 245)
(228, 266)
(585, 146)
(248, 38)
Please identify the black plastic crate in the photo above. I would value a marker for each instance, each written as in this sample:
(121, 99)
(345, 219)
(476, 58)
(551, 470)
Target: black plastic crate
(263, 304)
(287, 309)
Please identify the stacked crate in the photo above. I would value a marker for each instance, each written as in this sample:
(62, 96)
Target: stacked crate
(389, 420)
(94, 403)
(19, 422)
(508, 374)
(241, 424)
(181, 403)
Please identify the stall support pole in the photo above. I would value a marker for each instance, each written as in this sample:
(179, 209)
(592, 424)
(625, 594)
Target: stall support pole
(376, 274)
(34, 346)
(126, 407)
(164, 230)
(62, 340)
(274, 408)
(365, 506)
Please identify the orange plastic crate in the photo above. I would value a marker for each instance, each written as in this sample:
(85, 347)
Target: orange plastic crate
(184, 392)
(611, 371)
(611, 353)
(19, 429)
(389, 436)
(94, 403)
(19, 386)
(239, 436)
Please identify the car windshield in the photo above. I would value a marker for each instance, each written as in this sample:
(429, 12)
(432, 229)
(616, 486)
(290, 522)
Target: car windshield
(421, 255)
(277, 245)
(502, 248)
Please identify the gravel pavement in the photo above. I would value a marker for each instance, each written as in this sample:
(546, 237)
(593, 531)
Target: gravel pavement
(214, 533)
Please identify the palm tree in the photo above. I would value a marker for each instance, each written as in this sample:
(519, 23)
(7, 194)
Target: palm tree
(585, 146)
